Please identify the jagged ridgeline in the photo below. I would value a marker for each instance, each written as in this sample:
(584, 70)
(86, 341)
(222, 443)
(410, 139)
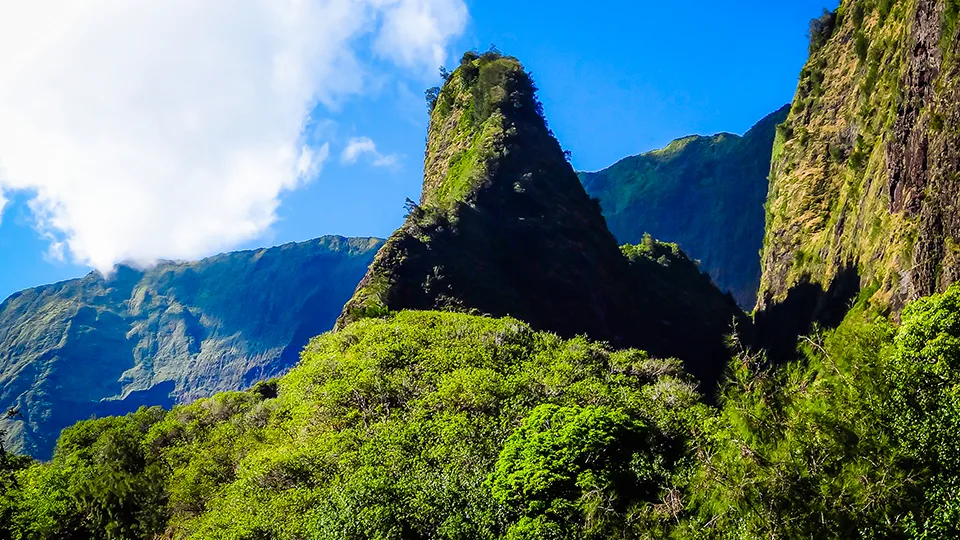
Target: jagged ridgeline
(864, 190)
(429, 424)
(504, 227)
(704, 193)
(177, 332)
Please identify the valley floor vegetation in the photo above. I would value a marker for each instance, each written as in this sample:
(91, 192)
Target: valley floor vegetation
(443, 425)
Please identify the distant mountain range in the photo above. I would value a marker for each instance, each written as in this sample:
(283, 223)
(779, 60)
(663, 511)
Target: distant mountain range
(100, 345)
(174, 333)
(704, 193)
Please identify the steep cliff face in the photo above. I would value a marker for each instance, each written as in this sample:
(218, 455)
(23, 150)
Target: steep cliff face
(864, 183)
(177, 332)
(504, 227)
(704, 193)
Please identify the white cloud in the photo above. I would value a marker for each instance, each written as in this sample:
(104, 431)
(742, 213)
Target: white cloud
(311, 160)
(414, 30)
(359, 146)
(146, 130)
(386, 161)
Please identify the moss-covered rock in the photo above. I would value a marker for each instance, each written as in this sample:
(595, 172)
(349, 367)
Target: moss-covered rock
(504, 227)
(864, 176)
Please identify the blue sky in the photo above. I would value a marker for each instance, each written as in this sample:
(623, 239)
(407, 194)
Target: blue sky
(616, 79)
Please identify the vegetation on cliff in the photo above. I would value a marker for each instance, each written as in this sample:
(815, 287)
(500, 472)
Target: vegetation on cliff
(704, 193)
(864, 175)
(504, 227)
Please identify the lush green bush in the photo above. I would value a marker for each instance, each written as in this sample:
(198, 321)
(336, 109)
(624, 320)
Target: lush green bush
(572, 472)
(103, 483)
(388, 429)
(10, 465)
(798, 452)
(440, 425)
(924, 408)
(860, 439)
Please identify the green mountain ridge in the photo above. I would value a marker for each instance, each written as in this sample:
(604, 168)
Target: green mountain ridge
(705, 193)
(421, 416)
(505, 228)
(170, 334)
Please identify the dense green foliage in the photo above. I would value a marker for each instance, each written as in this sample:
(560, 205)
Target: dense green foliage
(10, 465)
(173, 333)
(421, 425)
(442, 425)
(859, 439)
(704, 193)
(573, 472)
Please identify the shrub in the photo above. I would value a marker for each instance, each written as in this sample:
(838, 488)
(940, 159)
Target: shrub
(862, 46)
(924, 406)
(571, 468)
(821, 30)
(431, 95)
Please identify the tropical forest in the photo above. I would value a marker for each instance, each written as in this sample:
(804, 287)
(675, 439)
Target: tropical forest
(747, 336)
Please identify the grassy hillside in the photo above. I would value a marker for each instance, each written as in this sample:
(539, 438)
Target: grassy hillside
(177, 332)
(706, 194)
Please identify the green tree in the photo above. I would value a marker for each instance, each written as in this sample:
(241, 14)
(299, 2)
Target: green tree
(574, 472)
(10, 465)
(924, 407)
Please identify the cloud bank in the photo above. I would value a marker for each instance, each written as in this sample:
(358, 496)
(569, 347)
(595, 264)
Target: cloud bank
(146, 130)
(359, 146)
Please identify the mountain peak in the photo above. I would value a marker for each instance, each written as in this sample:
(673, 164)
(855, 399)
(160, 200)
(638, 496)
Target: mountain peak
(504, 227)
(704, 192)
(487, 98)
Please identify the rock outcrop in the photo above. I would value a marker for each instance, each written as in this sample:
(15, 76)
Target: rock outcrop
(865, 179)
(504, 227)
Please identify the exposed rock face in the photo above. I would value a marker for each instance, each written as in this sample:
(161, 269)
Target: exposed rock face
(504, 227)
(865, 170)
(704, 193)
(177, 332)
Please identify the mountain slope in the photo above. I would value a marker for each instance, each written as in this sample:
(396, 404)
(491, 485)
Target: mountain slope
(177, 332)
(864, 183)
(504, 227)
(704, 193)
